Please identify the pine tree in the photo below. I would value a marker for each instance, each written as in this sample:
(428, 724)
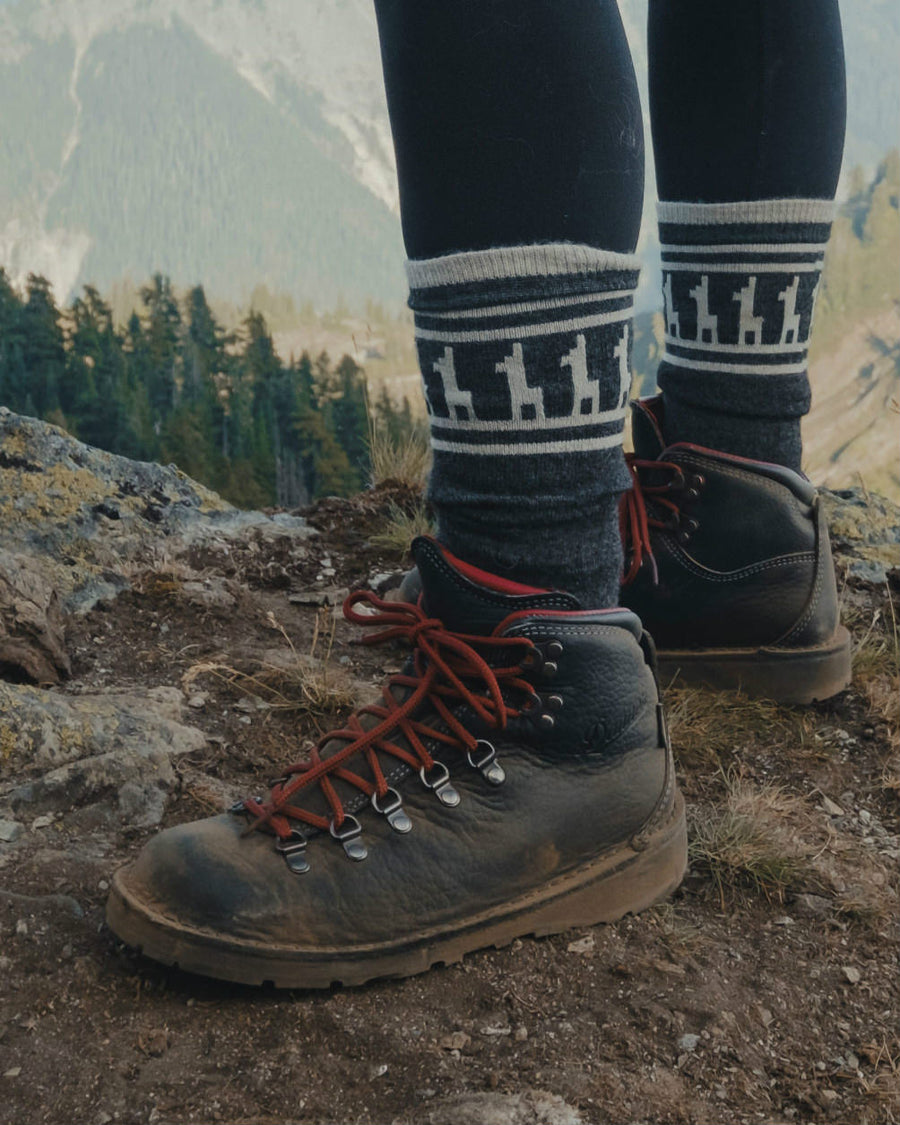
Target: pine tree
(163, 329)
(13, 381)
(43, 353)
(350, 416)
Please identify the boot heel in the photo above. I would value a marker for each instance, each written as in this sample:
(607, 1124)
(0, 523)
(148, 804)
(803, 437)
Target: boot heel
(628, 886)
(795, 675)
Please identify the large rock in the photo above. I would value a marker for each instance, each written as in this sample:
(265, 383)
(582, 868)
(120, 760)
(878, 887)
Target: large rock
(59, 752)
(88, 521)
(865, 533)
(32, 646)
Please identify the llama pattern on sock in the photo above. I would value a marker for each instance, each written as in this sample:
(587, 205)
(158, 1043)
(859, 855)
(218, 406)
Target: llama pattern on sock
(525, 351)
(525, 355)
(740, 285)
(740, 282)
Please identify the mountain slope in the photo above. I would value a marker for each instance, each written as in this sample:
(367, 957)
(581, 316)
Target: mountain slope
(239, 141)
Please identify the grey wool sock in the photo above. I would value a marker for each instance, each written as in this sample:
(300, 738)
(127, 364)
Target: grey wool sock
(525, 356)
(740, 283)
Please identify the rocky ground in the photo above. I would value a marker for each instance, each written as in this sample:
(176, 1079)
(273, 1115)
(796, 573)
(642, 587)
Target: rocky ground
(183, 651)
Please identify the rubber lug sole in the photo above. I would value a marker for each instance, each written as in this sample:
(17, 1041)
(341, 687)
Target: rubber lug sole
(624, 880)
(785, 675)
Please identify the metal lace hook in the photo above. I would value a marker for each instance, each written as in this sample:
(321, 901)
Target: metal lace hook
(437, 779)
(294, 851)
(348, 835)
(484, 759)
(391, 808)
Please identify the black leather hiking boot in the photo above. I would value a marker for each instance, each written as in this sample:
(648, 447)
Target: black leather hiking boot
(516, 779)
(729, 568)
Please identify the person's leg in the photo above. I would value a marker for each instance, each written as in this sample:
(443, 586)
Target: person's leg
(519, 149)
(748, 108)
(730, 567)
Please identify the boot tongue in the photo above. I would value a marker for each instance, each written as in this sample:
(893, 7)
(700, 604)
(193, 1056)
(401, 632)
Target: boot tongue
(469, 600)
(647, 420)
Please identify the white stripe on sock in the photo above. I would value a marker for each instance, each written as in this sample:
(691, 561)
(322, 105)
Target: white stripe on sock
(503, 262)
(506, 425)
(523, 331)
(744, 349)
(747, 248)
(742, 267)
(736, 368)
(747, 211)
(575, 445)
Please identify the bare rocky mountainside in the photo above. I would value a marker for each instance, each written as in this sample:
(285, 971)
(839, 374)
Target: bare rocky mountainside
(162, 653)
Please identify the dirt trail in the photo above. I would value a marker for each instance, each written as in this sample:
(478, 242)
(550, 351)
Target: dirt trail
(765, 991)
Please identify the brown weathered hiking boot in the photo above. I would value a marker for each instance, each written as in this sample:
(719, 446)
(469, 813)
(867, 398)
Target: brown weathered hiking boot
(729, 568)
(516, 779)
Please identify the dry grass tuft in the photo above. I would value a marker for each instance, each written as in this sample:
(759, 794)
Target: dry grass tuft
(405, 460)
(748, 842)
(709, 727)
(303, 682)
(401, 526)
(876, 666)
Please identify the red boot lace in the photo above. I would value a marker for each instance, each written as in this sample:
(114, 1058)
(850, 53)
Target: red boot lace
(634, 519)
(445, 664)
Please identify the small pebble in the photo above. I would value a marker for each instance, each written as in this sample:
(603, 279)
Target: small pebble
(455, 1041)
(852, 974)
(10, 831)
(688, 1042)
(13, 1072)
(21, 928)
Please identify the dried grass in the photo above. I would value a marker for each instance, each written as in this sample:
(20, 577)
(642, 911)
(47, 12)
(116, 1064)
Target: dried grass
(405, 460)
(748, 842)
(709, 727)
(401, 527)
(303, 682)
(876, 667)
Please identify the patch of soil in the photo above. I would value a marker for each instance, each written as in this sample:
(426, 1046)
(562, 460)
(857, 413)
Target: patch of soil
(735, 1002)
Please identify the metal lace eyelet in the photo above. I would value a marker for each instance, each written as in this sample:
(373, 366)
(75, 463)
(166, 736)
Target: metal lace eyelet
(555, 649)
(348, 835)
(554, 702)
(546, 721)
(391, 808)
(531, 659)
(677, 482)
(484, 759)
(531, 704)
(437, 779)
(241, 806)
(688, 530)
(293, 849)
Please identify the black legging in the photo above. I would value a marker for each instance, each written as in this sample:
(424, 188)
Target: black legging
(518, 121)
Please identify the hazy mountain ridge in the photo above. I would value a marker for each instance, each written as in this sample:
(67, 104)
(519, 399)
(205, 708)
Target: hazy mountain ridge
(144, 145)
(258, 141)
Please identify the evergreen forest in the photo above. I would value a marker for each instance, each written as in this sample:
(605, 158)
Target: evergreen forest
(172, 385)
